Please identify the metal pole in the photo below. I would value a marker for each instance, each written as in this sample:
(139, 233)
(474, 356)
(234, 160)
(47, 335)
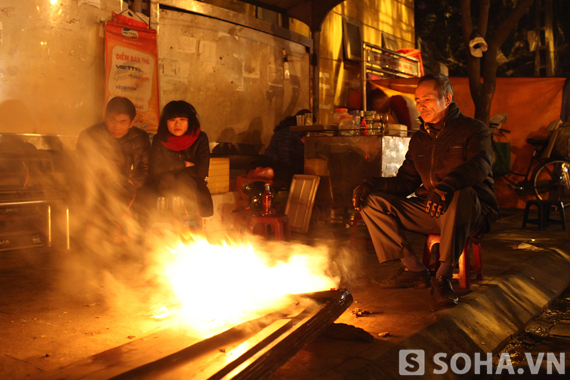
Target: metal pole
(316, 74)
(364, 61)
(67, 225)
(49, 225)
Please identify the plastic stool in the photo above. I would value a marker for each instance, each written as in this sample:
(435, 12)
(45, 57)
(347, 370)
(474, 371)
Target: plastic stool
(241, 217)
(280, 224)
(543, 220)
(466, 270)
(353, 240)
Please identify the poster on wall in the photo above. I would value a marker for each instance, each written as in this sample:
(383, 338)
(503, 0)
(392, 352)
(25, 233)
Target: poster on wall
(131, 70)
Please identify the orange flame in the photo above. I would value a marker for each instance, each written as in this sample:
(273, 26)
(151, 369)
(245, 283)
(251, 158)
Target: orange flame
(219, 286)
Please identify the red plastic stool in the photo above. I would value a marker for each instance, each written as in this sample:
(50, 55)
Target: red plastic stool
(241, 218)
(353, 240)
(466, 270)
(280, 224)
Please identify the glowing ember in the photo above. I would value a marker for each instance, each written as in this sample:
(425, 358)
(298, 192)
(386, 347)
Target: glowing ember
(160, 312)
(219, 286)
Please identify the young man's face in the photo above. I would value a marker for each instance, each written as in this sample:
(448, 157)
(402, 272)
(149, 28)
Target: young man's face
(432, 108)
(118, 124)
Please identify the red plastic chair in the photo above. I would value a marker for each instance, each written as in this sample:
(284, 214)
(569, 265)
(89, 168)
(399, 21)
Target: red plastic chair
(278, 223)
(466, 270)
(353, 238)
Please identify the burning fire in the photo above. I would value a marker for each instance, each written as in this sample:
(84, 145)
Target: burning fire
(219, 286)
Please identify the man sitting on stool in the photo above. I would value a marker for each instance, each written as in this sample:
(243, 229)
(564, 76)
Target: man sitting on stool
(448, 166)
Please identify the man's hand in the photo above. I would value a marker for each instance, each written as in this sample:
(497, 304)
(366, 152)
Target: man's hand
(360, 194)
(439, 200)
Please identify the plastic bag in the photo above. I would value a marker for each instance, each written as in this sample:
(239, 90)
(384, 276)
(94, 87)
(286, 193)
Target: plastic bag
(259, 172)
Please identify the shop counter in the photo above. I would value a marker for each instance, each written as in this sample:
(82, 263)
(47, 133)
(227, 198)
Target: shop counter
(343, 162)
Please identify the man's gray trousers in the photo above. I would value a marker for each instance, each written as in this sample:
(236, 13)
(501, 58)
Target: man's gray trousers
(387, 216)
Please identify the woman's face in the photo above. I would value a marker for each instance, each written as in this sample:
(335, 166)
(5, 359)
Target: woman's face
(177, 125)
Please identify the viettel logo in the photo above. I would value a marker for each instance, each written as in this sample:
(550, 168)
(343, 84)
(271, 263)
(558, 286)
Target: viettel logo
(130, 33)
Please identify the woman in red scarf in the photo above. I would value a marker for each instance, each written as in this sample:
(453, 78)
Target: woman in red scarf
(180, 159)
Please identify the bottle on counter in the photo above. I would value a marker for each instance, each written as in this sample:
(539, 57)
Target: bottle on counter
(355, 117)
(337, 113)
(385, 123)
(346, 125)
(364, 130)
(378, 125)
(370, 123)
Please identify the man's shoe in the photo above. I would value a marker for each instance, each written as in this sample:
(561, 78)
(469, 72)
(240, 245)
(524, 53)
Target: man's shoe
(442, 292)
(405, 278)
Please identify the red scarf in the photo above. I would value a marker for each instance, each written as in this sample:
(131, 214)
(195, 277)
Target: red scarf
(179, 143)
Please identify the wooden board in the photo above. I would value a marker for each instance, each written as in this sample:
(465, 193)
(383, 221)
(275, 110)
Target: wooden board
(301, 200)
(219, 175)
(250, 350)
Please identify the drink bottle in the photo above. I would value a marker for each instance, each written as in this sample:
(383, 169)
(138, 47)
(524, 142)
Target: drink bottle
(267, 199)
(363, 128)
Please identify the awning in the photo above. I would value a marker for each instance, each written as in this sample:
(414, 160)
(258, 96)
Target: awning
(311, 12)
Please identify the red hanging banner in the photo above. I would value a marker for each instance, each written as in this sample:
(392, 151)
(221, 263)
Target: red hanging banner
(131, 70)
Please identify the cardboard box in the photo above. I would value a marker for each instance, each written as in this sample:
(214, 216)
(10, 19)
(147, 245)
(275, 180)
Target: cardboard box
(219, 175)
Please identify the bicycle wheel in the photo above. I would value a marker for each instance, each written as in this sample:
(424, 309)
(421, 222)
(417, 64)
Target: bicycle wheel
(551, 181)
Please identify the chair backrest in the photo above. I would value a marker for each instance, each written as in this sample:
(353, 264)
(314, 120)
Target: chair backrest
(301, 201)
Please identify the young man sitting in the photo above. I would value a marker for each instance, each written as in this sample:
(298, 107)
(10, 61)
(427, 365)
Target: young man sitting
(113, 163)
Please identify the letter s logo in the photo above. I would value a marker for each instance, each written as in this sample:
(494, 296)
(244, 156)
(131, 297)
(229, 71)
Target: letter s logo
(411, 363)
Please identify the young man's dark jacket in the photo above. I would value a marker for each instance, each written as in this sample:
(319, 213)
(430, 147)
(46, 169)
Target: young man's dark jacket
(129, 155)
(460, 156)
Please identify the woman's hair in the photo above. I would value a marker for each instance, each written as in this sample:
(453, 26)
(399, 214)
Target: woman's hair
(177, 108)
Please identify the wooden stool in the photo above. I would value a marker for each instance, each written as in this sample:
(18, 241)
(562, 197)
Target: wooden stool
(280, 224)
(353, 239)
(543, 220)
(466, 270)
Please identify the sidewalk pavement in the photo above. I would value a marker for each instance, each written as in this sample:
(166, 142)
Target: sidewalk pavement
(524, 269)
(52, 313)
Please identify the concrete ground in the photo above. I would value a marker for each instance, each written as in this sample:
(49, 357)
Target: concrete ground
(54, 310)
(524, 270)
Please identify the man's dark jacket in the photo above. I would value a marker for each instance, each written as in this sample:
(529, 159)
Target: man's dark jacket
(460, 156)
(129, 155)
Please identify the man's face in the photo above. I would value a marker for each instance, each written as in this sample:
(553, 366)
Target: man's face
(118, 124)
(432, 108)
